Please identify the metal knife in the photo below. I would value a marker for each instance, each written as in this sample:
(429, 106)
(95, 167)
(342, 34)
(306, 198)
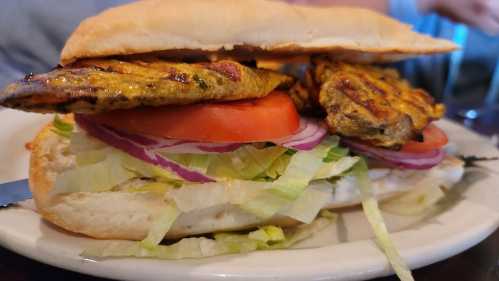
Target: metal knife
(14, 191)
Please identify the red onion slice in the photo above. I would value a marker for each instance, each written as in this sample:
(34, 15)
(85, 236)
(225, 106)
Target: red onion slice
(175, 146)
(137, 150)
(140, 139)
(218, 148)
(198, 148)
(310, 133)
(406, 160)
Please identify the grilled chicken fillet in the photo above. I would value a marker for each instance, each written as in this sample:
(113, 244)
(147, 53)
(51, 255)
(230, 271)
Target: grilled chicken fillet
(372, 104)
(98, 85)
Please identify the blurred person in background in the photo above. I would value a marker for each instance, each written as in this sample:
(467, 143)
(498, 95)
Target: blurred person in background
(468, 77)
(32, 33)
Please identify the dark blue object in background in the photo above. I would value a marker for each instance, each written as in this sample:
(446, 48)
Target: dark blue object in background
(465, 75)
(33, 32)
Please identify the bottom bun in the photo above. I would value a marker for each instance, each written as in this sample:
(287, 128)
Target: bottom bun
(125, 215)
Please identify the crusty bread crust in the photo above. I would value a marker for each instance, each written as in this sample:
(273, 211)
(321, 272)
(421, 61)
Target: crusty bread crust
(40, 182)
(221, 26)
(125, 215)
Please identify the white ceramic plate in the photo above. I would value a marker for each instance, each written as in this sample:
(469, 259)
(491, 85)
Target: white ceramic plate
(347, 252)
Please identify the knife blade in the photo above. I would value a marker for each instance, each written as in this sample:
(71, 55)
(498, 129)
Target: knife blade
(14, 191)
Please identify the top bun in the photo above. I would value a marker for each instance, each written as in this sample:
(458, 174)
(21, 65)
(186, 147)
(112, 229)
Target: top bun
(250, 27)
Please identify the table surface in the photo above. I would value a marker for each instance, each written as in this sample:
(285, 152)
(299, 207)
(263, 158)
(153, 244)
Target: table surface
(478, 263)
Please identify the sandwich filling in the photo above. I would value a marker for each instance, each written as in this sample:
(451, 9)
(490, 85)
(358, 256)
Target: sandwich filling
(208, 134)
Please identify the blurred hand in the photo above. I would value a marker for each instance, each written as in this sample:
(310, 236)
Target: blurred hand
(483, 14)
(377, 5)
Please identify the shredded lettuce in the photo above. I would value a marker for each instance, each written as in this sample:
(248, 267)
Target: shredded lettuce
(278, 167)
(299, 189)
(97, 177)
(302, 168)
(158, 187)
(200, 196)
(147, 170)
(247, 162)
(236, 192)
(160, 226)
(90, 157)
(304, 231)
(261, 239)
(265, 238)
(306, 207)
(374, 217)
(416, 202)
(81, 142)
(61, 127)
(137, 166)
(103, 169)
(198, 162)
(91, 151)
(268, 233)
(335, 154)
(185, 248)
(336, 168)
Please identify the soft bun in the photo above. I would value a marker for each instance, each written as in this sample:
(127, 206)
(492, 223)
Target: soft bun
(124, 215)
(258, 26)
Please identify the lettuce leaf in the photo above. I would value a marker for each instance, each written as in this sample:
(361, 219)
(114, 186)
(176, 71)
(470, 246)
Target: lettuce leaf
(198, 162)
(81, 142)
(90, 157)
(304, 231)
(61, 127)
(199, 196)
(89, 150)
(158, 187)
(137, 166)
(185, 248)
(97, 177)
(102, 169)
(302, 168)
(415, 202)
(335, 154)
(160, 226)
(290, 173)
(278, 167)
(147, 170)
(375, 219)
(336, 168)
(306, 207)
(265, 238)
(247, 162)
(268, 233)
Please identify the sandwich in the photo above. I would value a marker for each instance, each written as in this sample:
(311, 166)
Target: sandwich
(230, 130)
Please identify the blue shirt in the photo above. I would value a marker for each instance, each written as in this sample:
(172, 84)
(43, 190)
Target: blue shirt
(460, 74)
(33, 32)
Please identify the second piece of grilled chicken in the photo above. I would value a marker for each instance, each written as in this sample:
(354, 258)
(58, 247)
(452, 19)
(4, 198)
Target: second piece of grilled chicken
(372, 104)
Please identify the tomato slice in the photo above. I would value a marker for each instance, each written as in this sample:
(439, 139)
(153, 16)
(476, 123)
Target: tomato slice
(254, 120)
(433, 138)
